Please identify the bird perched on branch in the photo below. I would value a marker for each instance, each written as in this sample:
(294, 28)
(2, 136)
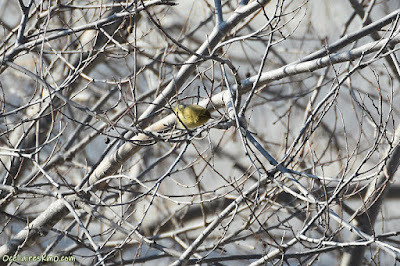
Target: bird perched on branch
(191, 115)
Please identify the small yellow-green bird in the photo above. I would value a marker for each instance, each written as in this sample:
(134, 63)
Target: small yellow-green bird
(191, 115)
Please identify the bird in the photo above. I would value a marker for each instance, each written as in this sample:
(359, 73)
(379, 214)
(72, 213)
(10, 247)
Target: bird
(191, 115)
